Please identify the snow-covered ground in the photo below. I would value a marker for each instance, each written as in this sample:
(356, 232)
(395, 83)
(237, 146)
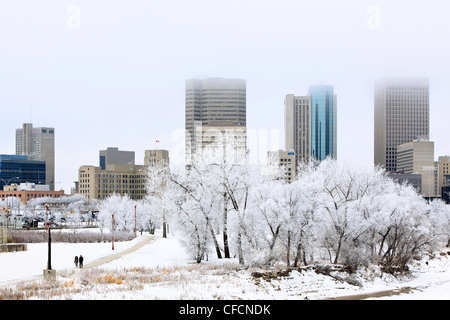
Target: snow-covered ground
(180, 278)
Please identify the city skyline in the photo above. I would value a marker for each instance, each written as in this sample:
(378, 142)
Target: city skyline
(112, 74)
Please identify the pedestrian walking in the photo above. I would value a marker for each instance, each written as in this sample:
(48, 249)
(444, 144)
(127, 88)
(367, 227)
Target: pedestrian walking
(80, 261)
(76, 261)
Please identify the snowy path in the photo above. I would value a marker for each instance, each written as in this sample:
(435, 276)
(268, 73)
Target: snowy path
(145, 240)
(29, 265)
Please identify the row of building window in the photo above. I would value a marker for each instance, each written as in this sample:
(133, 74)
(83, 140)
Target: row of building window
(30, 195)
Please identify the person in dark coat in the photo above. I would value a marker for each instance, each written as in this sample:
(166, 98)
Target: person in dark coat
(76, 261)
(80, 261)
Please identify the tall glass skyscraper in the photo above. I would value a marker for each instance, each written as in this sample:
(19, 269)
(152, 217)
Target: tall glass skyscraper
(323, 121)
(311, 123)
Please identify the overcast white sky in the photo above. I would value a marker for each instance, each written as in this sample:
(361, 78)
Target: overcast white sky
(109, 73)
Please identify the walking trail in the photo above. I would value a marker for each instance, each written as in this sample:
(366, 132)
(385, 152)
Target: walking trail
(145, 240)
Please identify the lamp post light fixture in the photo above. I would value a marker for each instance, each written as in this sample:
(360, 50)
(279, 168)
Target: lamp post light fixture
(7, 182)
(46, 219)
(7, 202)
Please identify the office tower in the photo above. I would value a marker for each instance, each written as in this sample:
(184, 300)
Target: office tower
(156, 157)
(311, 123)
(401, 115)
(323, 122)
(209, 100)
(38, 144)
(297, 124)
(19, 169)
(113, 156)
(123, 179)
(418, 157)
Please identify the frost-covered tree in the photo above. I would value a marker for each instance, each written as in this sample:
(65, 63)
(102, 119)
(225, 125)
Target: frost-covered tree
(439, 214)
(148, 217)
(199, 209)
(302, 202)
(157, 192)
(349, 215)
(123, 209)
(370, 218)
(238, 182)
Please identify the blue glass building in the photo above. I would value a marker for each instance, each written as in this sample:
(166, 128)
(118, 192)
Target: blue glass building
(12, 166)
(323, 121)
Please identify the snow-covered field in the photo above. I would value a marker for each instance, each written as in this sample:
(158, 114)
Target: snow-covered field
(167, 272)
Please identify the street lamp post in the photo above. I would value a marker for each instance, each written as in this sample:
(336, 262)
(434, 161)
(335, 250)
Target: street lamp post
(49, 260)
(135, 221)
(49, 273)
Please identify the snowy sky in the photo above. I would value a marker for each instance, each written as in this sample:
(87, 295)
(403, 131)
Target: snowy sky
(109, 73)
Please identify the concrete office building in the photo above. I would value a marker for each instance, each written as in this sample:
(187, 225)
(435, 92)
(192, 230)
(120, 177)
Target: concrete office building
(418, 157)
(97, 183)
(221, 141)
(38, 144)
(297, 124)
(401, 115)
(113, 155)
(209, 100)
(156, 157)
(311, 123)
